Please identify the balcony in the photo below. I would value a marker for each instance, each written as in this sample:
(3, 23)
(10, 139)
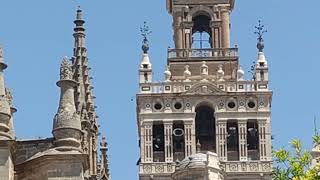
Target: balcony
(202, 54)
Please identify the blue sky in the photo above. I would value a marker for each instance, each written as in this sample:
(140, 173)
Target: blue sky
(36, 34)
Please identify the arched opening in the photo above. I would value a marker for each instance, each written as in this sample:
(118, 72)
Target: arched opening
(201, 32)
(253, 140)
(205, 128)
(158, 142)
(178, 137)
(233, 140)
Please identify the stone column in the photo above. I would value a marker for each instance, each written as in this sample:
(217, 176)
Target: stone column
(225, 18)
(146, 143)
(168, 141)
(178, 34)
(262, 139)
(243, 149)
(188, 38)
(222, 134)
(189, 139)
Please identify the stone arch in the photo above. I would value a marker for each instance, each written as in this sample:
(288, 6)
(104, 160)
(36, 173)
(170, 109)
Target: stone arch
(205, 127)
(204, 10)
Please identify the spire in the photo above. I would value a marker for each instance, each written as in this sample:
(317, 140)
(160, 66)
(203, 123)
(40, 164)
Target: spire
(84, 98)
(104, 164)
(66, 124)
(5, 112)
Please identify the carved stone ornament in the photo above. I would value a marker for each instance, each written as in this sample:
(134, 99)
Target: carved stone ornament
(254, 167)
(66, 70)
(204, 88)
(159, 169)
(233, 167)
(147, 168)
(9, 97)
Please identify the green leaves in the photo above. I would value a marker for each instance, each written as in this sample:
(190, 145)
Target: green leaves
(295, 166)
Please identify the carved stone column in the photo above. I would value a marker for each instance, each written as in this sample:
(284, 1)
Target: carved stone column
(178, 34)
(146, 143)
(222, 134)
(168, 141)
(243, 149)
(189, 139)
(262, 139)
(225, 17)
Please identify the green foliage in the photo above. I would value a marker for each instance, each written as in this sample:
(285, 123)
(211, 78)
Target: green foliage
(295, 164)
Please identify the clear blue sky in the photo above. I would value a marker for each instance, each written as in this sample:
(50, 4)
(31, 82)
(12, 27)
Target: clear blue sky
(36, 34)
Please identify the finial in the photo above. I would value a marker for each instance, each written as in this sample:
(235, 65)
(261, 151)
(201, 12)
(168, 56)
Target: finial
(66, 69)
(198, 146)
(79, 13)
(260, 32)
(104, 143)
(145, 31)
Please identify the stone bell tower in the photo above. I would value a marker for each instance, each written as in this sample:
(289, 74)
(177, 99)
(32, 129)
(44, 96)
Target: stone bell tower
(205, 120)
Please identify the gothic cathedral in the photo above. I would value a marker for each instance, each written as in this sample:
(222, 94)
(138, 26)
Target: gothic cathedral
(72, 153)
(205, 120)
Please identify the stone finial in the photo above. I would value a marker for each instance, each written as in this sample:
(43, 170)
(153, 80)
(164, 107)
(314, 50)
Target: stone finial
(198, 146)
(220, 73)
(204, 69)
(186, 72)
(240, 74)
(66, 69)
(167, 74)
(79, 14)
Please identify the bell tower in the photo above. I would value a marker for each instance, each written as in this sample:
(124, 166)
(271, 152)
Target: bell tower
(205, 112)
(191, 18)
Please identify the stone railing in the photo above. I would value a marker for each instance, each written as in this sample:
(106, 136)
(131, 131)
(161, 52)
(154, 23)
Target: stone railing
(181, 87)
(217, 53)
(246, 167)
(156, 168)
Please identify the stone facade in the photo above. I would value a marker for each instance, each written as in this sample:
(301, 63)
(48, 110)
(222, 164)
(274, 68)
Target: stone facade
(72, 152)
(204, 112)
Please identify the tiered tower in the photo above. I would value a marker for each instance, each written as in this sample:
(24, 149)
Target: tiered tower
(205, 120)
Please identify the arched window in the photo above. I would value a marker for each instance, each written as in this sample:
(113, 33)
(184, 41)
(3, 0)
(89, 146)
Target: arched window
(158, 142)
(253, 140)
(201, 32)
(205, 128)
(178, 141)
(233, 140)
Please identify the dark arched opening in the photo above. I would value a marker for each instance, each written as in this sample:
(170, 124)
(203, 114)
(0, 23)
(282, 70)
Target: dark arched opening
(233, 140)
(201, 32)
(205, 129)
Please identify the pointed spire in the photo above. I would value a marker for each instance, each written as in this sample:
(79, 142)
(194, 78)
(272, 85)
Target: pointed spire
(66, 124)
(79, 31)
